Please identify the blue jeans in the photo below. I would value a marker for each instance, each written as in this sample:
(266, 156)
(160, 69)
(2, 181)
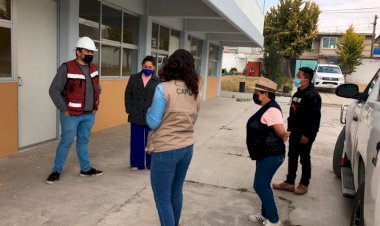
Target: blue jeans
(71, 127)
(167, 175)
(265, 169)
(139, 137)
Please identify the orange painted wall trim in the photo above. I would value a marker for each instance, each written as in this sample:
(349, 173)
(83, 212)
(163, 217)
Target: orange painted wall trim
(8, 119)
(212, 87)
(111, 109)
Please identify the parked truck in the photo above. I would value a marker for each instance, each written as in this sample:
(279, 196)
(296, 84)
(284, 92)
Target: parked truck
(328, 76)
(356, 151)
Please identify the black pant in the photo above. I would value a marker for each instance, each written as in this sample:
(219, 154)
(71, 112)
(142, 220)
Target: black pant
(296, 149)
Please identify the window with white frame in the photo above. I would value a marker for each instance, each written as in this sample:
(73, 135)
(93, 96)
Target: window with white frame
(213, 59)
(329, 42)
(163, 43)
(160, 44)
(116, 34)
(5, 39)
(196, 51)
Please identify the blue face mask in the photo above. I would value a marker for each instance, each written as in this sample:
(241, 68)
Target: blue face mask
(148, 72)
(297, 82)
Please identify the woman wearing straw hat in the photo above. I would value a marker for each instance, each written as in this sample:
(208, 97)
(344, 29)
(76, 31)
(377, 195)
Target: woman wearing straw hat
(265, 141)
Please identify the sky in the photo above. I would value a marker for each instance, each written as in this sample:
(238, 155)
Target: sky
(338, 15)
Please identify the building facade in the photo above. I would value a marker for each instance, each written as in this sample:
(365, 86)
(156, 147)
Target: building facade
(323, 50)
(37, 36)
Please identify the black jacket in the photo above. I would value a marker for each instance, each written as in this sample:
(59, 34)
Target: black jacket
(139, 98)
(262, 140)
(305, 113)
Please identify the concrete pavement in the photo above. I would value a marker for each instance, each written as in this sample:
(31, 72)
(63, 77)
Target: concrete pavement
(218, 188)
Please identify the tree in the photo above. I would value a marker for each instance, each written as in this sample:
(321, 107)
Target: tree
(290, 27)
(272, 62)
(350, 47)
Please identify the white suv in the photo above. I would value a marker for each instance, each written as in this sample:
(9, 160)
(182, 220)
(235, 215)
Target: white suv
(328, 76)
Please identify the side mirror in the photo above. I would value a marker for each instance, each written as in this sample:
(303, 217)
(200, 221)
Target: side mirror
(348, 91)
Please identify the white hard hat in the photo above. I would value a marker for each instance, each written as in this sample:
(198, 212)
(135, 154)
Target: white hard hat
(86, 43)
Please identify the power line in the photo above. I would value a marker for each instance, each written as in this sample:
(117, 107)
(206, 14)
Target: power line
(373, 11)
(355, 25)
(330, 16)
(338, 10)
(340, 25)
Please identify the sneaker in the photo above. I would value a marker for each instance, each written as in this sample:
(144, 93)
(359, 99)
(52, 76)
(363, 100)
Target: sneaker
(53, 177)
(255, 218)
(134, 168)
(284, 186)
(268, 223)
(300, 189)
(91, 172)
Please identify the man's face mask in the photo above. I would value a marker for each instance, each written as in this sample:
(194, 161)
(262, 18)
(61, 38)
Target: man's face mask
(147, 71)
(256, 99)
(297, 82)
(88, 58)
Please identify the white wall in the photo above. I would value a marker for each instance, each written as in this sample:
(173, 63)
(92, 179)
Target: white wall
(253, 12)
(233, 60)
(365, 72)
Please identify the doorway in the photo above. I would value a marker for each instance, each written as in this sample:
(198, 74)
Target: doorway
(36, 66)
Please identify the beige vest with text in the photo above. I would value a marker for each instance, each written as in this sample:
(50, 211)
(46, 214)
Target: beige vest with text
(177, 126)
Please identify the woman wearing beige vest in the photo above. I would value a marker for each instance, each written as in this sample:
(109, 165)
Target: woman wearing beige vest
(172, 117)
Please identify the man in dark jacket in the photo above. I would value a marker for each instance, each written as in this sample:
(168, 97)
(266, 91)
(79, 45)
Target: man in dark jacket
(303, 123)
(138, 98)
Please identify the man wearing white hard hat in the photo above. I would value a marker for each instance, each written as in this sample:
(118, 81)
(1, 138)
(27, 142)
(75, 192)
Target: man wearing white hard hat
(75, 92)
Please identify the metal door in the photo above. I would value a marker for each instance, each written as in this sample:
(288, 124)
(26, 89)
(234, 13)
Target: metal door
(36, 39)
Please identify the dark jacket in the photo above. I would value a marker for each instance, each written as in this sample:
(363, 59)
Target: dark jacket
(262, 140)
(305, 113)
(139, 98)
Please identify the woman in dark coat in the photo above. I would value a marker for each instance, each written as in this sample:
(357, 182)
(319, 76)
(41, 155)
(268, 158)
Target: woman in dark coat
(138, 98)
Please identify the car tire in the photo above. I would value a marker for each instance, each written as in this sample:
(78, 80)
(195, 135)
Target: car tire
(338, 151)
(357, 218)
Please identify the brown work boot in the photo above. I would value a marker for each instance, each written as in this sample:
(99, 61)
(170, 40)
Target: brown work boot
(300, 189)
(284, 186)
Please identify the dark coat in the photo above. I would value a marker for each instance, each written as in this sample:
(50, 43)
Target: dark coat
(139, 98)
(262, 140)
(305, 113)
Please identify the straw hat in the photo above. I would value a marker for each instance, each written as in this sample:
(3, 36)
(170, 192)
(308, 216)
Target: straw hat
(264, 84)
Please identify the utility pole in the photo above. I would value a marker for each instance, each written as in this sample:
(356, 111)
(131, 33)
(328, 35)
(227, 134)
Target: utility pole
(373, 35)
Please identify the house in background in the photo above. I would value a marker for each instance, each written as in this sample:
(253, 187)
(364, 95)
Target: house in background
(323, 50)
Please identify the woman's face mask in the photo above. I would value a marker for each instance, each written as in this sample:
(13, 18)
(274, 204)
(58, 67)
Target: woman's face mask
(148, 68)
(147, 71)
(256, 99)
